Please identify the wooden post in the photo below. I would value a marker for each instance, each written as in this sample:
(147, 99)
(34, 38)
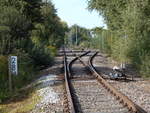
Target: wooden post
(10, 76)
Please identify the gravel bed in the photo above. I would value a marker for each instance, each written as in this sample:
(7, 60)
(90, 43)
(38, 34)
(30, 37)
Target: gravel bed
(91, 97)
(50, 90)
(138, 90)
(79, 70)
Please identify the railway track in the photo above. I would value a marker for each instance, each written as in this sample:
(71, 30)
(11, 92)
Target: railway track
(92, 95)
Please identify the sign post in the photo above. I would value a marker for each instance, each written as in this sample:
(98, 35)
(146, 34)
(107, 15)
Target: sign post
(13, 69)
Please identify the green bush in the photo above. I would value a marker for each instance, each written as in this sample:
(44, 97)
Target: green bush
(52, 50)
(41, 56)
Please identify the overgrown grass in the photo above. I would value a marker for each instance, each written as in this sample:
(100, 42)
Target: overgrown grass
(22, 102)
(27, 72)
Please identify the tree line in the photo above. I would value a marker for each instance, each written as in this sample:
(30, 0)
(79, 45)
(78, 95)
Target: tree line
(31, 30)
(127, 38)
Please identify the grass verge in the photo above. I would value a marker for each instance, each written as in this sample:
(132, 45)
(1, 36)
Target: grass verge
(22, 102)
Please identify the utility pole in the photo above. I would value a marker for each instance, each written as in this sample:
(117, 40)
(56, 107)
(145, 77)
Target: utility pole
(76, 35)
(102, 42)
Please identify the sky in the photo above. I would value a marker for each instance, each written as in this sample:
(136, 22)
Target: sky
(76, 12)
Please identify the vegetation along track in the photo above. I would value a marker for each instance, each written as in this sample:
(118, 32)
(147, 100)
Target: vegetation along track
(88, 96)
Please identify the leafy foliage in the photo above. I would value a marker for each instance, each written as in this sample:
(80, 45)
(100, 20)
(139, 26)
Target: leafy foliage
(129, 22)
(31, 30)
(78, 34)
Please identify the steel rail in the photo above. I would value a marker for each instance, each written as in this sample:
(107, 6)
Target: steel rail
(75, 59)
(69, 101)
(69, 105)
(119, 96)
(75, 51)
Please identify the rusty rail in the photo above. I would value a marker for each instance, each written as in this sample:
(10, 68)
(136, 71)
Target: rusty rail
(69, 105)
(75, 59)
(70, 108)
(74, 51)
(69, 101)
(119, 96)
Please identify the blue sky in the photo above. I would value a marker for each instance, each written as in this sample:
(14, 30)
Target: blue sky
(75, 12)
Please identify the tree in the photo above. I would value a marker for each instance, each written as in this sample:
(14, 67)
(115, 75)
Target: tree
(129, 21)
(14, 26)
(78, 34)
